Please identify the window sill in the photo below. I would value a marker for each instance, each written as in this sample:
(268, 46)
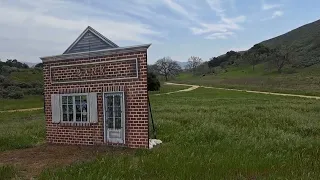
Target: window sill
(76, 124)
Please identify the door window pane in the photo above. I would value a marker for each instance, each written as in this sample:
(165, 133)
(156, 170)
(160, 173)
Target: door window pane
(109, 101)
(110, 114)
(117, 114)
(118, 122)
(117, 101)
(110, 122)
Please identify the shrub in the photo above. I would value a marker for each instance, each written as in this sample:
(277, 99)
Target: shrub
(15, 95)
(13, 88)
(3, 93)
(153, 82)
(33, 91)
(2, 78)
(25, 85)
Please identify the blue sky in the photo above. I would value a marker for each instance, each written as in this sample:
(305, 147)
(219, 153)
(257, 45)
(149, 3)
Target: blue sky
(176, 28)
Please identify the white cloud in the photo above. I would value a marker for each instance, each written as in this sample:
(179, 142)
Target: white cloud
(270, 6)
(220, 35)
(32, 29)
(275, 14)
(224, 25)
(216, 5)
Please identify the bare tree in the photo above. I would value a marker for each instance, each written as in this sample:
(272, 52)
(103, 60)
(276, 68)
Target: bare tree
(167, 67)
(256, 53)
(193, 63)
(280, 59)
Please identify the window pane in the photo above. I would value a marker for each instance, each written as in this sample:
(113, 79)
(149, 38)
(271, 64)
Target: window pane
(65, 117)
(70, 117)
(84, 103)
(110, 101)
(70, 100)
(110, 122)
(77, 99)
(78, 108)
(118, 123)
(78, 117)
(64, 99)
(84, 118)
(70, 109)
(64, 109)
(117, 100)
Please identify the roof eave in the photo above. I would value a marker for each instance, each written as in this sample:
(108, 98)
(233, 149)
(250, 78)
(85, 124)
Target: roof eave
(95, 53)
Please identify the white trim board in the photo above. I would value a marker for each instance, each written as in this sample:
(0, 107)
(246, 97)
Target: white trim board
(93, 80)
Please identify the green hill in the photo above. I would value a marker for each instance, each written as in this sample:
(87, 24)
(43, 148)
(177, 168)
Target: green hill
(303, 43)
(287, 63)
(17, 80)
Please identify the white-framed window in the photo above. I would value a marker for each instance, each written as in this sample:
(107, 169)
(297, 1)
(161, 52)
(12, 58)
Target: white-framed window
(74, 108)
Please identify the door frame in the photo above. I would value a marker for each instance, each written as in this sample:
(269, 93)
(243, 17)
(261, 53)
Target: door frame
(123, 118)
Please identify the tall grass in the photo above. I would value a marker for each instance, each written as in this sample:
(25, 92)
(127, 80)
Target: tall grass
(21, 129)
(213, 134)
(7, 172)
(306, 81)
(25, 103)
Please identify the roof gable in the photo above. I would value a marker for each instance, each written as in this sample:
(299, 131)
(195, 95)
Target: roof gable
(90, 40)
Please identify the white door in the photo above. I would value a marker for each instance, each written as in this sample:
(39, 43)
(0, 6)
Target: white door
(114, 114)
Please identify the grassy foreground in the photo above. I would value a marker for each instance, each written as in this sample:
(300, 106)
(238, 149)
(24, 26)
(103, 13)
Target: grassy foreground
(25, 103)
(214, 134)
(168, 88)
(21, 129)
(304, 81)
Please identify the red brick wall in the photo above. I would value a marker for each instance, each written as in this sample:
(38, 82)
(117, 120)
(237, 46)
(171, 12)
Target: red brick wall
(136, 120)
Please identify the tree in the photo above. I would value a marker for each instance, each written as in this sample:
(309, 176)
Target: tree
(39, 65)
(280, 58)
(255, 54)
(213, 62)
(193, 63)
(153, 82)
(167, 67)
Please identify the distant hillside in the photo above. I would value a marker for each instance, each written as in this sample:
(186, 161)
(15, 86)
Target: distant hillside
(303, 43)
(297, 49)
(182, 64)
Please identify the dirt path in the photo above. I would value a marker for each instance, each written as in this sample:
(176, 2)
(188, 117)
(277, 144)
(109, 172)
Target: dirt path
(21, 110)
(193, 87)
(31, 162)
(258, 92)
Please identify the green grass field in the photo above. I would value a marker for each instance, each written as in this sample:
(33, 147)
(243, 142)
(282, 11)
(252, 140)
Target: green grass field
(214, 134)
(206, 134)
(25, 103)
(304, 81)
(21, 129)
(168, 88)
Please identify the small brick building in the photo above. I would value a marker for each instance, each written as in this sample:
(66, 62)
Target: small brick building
(96, 93)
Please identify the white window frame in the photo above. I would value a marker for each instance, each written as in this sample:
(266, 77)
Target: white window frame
(74, 108)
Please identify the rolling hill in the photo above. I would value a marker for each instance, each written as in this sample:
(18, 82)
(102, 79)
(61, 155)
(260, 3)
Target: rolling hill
(303, 44)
